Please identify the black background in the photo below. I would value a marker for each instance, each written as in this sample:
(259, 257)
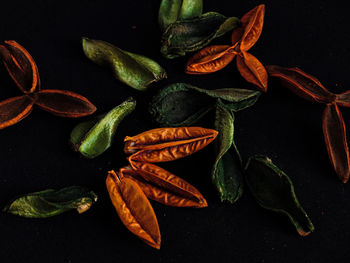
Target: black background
(35, 154)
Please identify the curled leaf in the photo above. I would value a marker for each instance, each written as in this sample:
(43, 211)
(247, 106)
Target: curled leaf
(252, 70)
(173, 10)
(163, 186)
(64, 103)
(227, 170)
(191, 35)
(335, 137)
(134, 209)
(134, 70)
(210, 59)
(51, 202)
(21, 66)
(252, 22)
(302, 84)
(14, 110)
(92, 138)
(167, 144)
(274, 191)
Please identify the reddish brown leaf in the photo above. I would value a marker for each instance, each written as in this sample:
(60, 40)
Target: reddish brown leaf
(134, 209)
(210, 59)
(252, 70)
(335, 137)
(163, 186)
(14, 110)
(343, 99)
(167, 144)
(21, 66)
(64, 103)
(302, 84)
(237, 35)
(252, 22)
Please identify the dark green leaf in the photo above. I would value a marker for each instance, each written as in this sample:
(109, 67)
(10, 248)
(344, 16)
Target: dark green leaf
(274, 191)
(227, 169)
(136, 71)
(92, 138)
(51, 202)
(173, 10)
(191, 35)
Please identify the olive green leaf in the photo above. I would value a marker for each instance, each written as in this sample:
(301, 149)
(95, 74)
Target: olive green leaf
(173, 10)
(136, 71)
(51, 202)
(227, 170)
(193, 34)
(274, 191)
(181, 104)
(92, 138)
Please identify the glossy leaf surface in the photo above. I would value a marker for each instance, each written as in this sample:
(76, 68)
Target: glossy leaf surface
(210, 59)
(173, 10)
(252, 70)
(227, 170)
(168, 144)
(92, 138)
(64, 103)
(302, 84)
(14, 110)
(274, 191)
(51, 202)
(134, 209)
(191, 35)
(163, 186)
(21, 66)
(335, 137)
(134, 70)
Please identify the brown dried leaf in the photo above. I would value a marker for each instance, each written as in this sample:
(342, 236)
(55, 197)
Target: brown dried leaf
(134, 209)
(335, 137)
(163, 186)
(210, 59)
(167, 144)
(252, 70)
(343, 99)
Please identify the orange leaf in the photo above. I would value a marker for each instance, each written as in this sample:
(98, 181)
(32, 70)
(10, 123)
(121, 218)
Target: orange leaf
(14, 109)
(252, 70)
(252, 22)
(210, 59)
(237, 35)
(335, 137)
(134, 209)
(167, 144)
(163, 186)
(21, 66)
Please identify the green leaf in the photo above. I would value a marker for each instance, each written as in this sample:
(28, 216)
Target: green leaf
(51, 202)
(191, 35)
(136, 71)
(274, 191)
(227, 169)
(173, 10)
(92, 138)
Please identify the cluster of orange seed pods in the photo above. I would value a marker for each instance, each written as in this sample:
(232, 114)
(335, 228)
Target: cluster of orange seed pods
(216, 57)
(130, 189)
(23, 70)
(310, 88)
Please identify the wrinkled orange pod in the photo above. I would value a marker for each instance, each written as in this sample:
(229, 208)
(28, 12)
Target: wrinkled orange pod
(14, 110)
(252, 70)
(163, 186)
(168, 144)
(134, 209)
(253, 23)
(302, 84)
(335, 137)
(210, 59)
(21, 66)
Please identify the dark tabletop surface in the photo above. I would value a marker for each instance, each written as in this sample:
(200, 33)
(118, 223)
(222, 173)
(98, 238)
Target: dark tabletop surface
(35, 154)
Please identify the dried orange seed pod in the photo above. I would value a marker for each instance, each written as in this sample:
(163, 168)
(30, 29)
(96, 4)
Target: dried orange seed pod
(134, 209)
